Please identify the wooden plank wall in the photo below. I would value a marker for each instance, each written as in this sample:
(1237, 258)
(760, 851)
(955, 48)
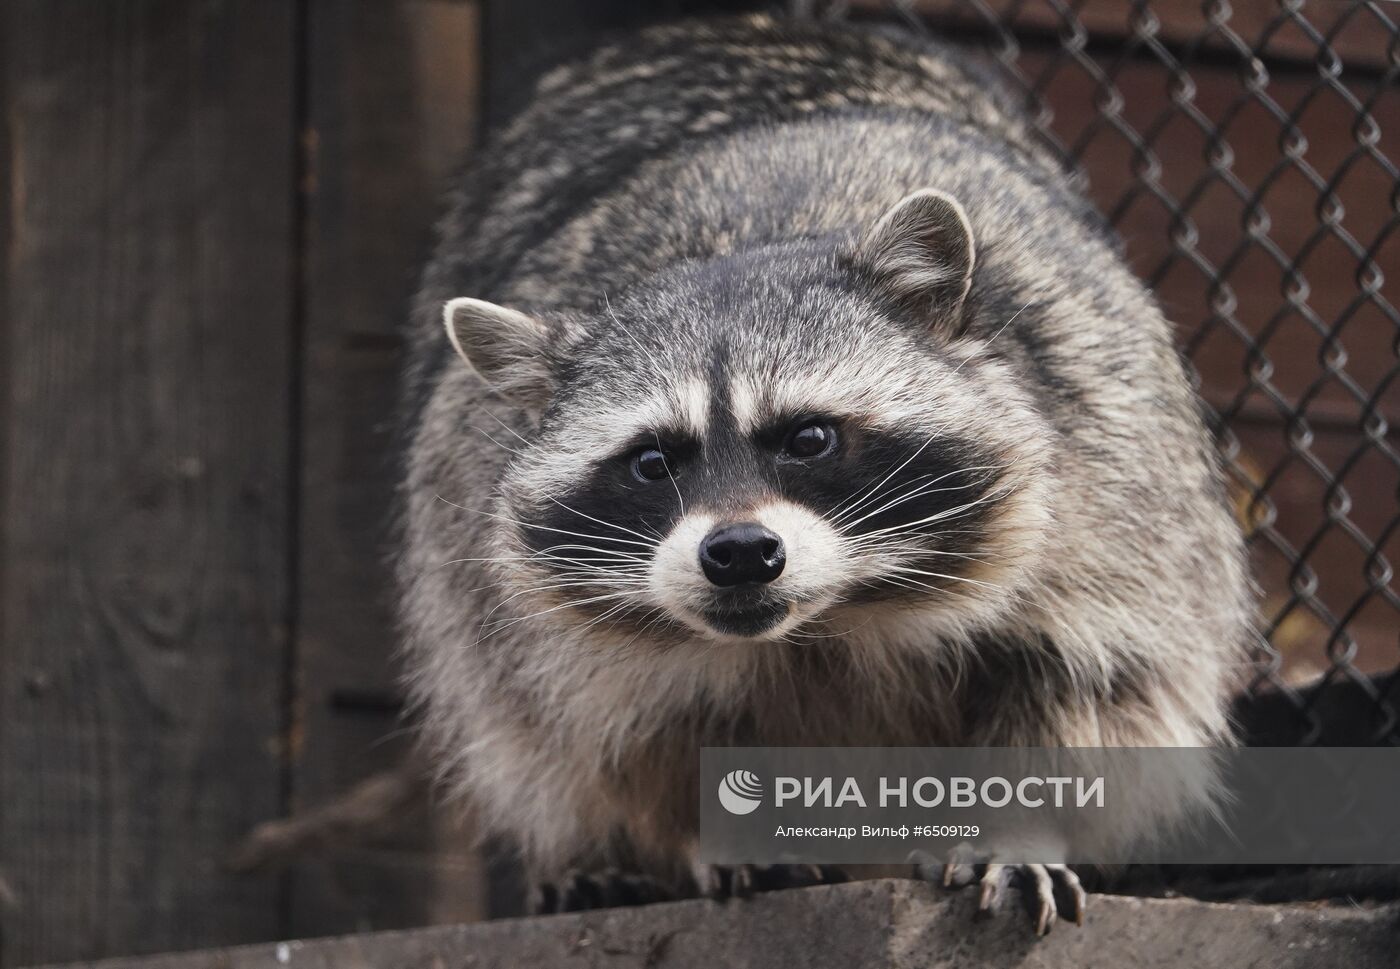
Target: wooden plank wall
(147, 386)
(391, 108)
(212, 215)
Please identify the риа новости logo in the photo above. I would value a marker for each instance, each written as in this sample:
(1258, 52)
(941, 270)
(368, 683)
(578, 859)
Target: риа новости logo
(740, 792)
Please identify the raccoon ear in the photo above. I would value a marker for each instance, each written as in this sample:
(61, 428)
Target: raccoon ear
(505, 347)
(922, 251)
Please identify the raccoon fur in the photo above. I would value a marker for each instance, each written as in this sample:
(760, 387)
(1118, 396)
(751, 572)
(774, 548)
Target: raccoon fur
(790, 395)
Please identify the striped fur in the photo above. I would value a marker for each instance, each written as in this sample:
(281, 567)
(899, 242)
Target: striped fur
(1020, 537)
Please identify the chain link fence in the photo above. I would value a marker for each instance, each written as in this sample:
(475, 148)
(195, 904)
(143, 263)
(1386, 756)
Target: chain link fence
(1248, 155)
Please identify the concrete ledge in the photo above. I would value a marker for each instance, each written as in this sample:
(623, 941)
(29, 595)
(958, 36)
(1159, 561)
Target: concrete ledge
(866, 924)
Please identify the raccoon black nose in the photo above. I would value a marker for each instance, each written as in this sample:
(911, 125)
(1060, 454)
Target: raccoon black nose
(746, 552)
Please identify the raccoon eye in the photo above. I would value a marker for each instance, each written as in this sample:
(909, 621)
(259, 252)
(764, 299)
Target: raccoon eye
(811, 440)
(649, 464)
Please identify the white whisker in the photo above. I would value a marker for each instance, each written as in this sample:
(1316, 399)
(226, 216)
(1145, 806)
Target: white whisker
(546, 528)
(956, 512)
(502, 624)
(665, 463)
(512, 430)
(920, 492)
(631, 336)
(504, 447)
(600, 521)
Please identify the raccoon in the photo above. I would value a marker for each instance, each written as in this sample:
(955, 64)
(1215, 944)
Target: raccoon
(790, 395)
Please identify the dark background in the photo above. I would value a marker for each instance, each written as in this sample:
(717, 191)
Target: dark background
(210, 220)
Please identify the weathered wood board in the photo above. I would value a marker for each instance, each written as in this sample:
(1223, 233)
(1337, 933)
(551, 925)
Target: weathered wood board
(147, 385)
(391, 110)
(866, 925)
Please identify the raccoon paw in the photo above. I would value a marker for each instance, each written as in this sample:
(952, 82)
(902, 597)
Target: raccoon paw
(580, 891)
(1045, 889)
(740, 881)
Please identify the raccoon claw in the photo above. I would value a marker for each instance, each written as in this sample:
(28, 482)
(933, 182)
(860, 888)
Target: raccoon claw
(721, 882)
(1046, 889)
(1069, 895)
(581, 891)
(958, 872)
(992, 889)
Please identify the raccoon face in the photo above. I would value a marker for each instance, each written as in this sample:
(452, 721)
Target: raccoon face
(776, 444)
